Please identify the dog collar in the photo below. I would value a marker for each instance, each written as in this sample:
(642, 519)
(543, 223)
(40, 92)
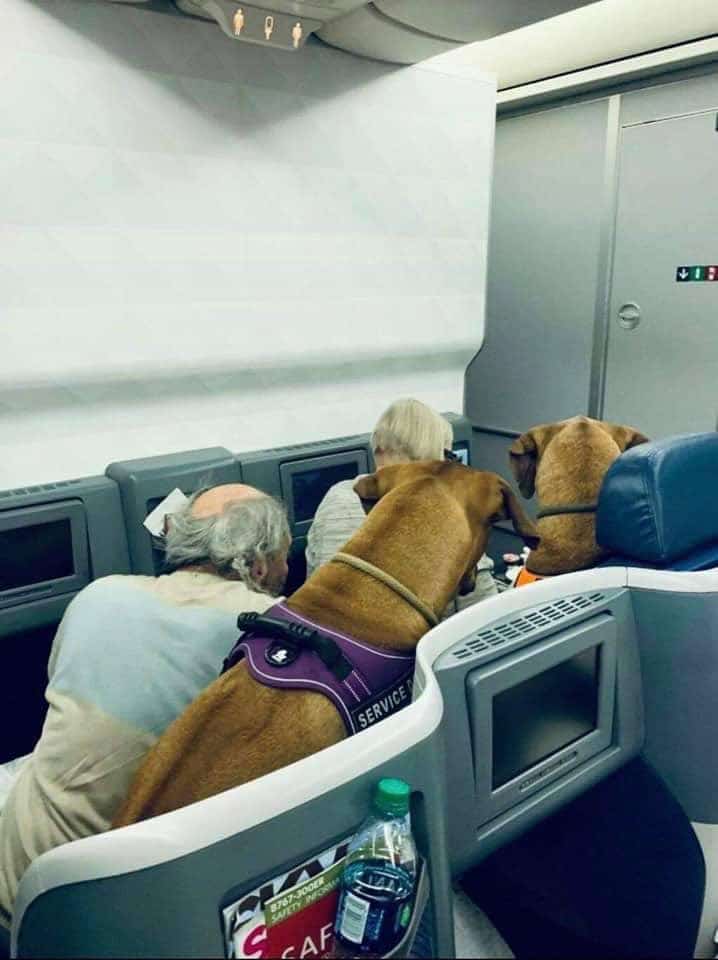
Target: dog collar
(556, 511)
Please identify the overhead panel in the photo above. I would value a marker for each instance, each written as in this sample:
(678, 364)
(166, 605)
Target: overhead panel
(275, 23)
(369, 33)
(466, 21)
(406, 31)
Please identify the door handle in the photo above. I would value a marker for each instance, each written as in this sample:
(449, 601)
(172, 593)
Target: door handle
(629, 316)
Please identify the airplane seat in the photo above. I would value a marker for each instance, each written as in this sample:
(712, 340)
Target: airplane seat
(620, 871)
(190, 882)
(658, 515)
(658, 505)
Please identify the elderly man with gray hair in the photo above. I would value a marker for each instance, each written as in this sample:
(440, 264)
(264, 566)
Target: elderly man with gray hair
(130, 654)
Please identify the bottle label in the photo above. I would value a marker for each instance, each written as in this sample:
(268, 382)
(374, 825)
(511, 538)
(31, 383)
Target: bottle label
(370, 925)
(354, 917)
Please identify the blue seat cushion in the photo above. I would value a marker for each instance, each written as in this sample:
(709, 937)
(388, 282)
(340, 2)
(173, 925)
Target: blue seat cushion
(704, 558)
(658, 505)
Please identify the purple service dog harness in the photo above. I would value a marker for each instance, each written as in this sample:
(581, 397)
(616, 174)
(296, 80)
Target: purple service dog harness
(284, 650)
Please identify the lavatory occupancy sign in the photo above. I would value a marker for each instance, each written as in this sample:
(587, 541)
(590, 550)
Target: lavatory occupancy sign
(700, 273)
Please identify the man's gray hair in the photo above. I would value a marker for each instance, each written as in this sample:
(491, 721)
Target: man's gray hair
(232, 540)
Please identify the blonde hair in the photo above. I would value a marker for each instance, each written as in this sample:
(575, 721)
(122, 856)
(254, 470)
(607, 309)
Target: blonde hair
(411, 430)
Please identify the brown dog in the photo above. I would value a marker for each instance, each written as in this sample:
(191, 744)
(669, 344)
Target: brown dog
(565, 464)
(428, 531)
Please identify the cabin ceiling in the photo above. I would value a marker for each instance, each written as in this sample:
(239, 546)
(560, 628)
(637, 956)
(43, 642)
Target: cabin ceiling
(406, 31)
(397, 31)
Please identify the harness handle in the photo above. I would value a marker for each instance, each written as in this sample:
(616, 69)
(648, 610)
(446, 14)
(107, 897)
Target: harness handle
(295, 635)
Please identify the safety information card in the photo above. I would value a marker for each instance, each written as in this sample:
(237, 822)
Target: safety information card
(289, 916)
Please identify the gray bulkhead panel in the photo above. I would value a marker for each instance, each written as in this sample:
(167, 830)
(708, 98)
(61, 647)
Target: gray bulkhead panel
(534, 366)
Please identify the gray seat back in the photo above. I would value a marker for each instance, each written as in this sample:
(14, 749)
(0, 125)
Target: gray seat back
(158, 888)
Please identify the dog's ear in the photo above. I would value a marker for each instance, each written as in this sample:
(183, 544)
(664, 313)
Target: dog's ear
(374, 486)
(625, 437)
(526, 451)
(512, 510)
(367, 488)
(523, 456)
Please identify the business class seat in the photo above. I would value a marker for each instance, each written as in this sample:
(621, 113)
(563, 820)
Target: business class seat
(157, 888)
(658, 515)
(620, 872)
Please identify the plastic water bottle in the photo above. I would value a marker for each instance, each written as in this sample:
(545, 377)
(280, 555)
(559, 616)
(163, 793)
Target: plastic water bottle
(379, 877)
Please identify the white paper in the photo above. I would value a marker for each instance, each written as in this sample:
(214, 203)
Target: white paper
(155, 521)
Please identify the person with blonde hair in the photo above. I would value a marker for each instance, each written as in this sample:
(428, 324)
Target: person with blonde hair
(407, 430)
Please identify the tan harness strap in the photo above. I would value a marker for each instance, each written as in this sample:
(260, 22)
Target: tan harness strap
(391, 582)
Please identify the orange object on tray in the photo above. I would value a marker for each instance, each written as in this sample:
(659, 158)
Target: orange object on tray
(525, 577)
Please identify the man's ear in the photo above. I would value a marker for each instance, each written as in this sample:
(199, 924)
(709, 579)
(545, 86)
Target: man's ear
(259, 569)
(625, 437)
(513, 511)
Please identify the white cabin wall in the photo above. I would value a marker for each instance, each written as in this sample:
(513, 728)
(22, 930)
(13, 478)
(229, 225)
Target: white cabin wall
(204, 242)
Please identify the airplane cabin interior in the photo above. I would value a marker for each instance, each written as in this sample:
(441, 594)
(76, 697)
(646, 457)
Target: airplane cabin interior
(232, 235)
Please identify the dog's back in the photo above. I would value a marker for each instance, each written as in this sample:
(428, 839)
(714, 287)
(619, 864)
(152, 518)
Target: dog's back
(564, 463)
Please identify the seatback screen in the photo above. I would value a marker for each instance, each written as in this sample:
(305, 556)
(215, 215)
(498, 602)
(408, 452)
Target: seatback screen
(35, 554)
(309, 486)
(543, 714)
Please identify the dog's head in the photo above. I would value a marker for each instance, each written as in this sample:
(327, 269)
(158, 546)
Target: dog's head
(484, 498)
(527, 450)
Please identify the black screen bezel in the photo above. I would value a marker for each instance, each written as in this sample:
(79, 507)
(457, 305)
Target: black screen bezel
(486, 681)
(289, 469)
(70, 510)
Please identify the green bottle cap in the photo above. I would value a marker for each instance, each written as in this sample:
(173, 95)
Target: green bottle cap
(392, 796)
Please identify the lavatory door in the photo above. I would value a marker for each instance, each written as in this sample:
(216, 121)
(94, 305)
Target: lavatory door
(662, 358)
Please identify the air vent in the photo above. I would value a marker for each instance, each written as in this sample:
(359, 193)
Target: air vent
(524, 628)
(40, 488)
(314, 445)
